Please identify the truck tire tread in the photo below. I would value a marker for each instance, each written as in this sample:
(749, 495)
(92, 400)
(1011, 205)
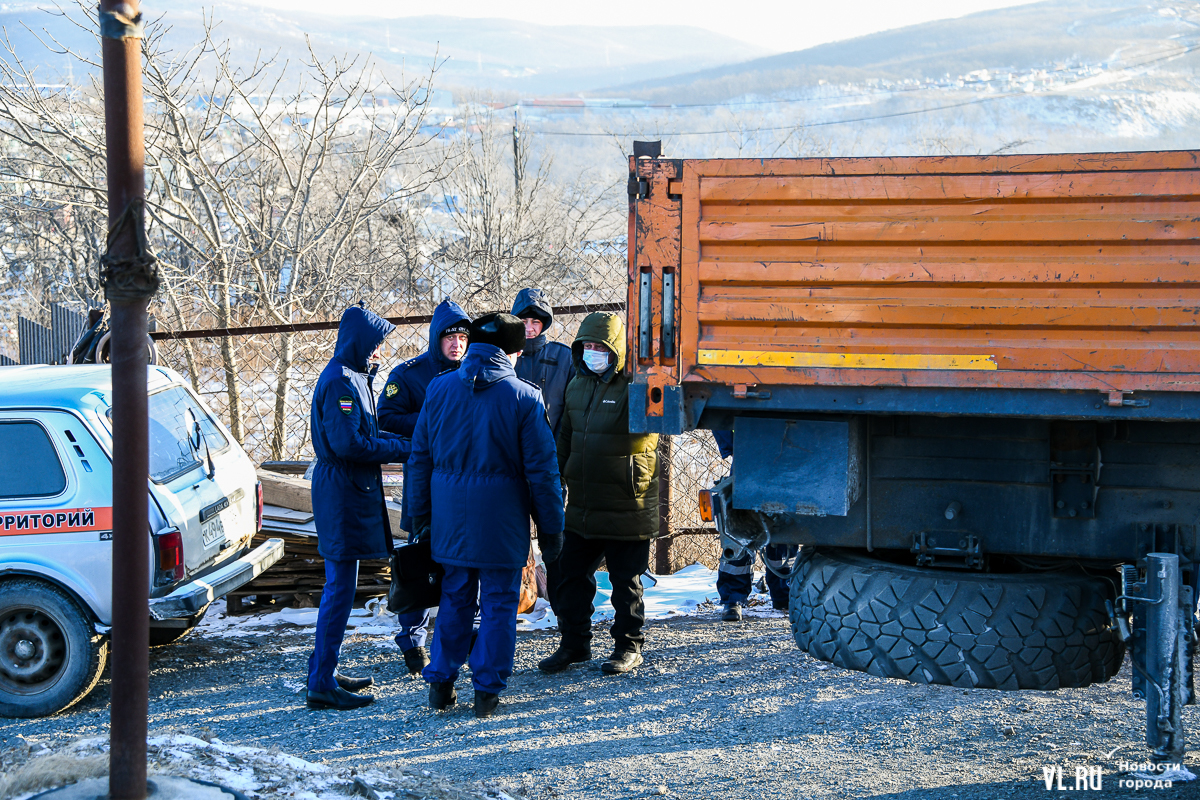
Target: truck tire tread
(1044, 631)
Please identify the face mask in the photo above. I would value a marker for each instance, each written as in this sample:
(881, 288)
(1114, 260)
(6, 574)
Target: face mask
(595, 360)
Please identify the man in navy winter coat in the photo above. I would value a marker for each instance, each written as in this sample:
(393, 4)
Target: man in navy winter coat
(399, 407)
(347, 494)
(483, 462)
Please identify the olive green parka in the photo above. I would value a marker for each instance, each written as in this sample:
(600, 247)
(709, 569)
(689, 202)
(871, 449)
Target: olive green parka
(611, 474)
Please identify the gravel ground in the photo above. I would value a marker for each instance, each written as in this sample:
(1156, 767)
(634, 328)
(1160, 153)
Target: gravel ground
(717, 710)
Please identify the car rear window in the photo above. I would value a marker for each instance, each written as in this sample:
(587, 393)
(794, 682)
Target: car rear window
(170, 452)
(29, 465)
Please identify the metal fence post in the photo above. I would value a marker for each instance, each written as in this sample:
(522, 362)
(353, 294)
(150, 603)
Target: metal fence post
(129, 278)
(662, 552)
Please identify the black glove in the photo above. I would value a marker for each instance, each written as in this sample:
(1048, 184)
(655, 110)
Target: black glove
(421, 526)
(551, 545)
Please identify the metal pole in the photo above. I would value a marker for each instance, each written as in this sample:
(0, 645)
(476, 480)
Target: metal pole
(129, 279)
(662, 552)
(516, 162)
(1164, 713)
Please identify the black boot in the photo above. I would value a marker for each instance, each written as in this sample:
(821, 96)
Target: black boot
(562, 658)
(485, 703)
(733, 613)
(351, 683)
(621, 661)
(415, 659)
(338, 699)
(442, 695)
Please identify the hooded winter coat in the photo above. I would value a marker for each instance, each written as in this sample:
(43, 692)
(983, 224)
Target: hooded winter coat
(483, 462)
(611, 474)
(347, 484)
(404, 391)
(543, 362)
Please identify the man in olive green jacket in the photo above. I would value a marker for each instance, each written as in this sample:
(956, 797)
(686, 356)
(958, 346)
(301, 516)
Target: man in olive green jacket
(612, 500)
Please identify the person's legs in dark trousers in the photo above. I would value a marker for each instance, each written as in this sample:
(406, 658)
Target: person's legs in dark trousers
(456, 617)
(782, 558)
(553, 579)
(734, 578)
(577, 589)
(494, 650)
(337, 598)
(626, 562)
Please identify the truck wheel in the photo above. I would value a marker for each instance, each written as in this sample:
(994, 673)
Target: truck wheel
(50, 657)
(1048, 630)
(164, 636)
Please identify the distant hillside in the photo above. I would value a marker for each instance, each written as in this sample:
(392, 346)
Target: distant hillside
(1019, 38)
(496, 54)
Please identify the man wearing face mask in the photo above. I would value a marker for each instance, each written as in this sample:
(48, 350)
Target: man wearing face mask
(483, 462)
(546, 363)
(347, 494)
(399, 406)
(612, 501)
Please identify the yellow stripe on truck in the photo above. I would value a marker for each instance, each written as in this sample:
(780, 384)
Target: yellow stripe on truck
(767, 358)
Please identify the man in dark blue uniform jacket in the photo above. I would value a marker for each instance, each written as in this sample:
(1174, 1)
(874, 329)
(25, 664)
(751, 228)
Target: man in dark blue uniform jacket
(347, 494)
(399, 407)
(483, 461)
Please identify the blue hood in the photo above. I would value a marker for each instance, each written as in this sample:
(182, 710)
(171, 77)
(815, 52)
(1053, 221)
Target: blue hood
(483, 365)
(534, 302)
(447, 313)
(359, 333)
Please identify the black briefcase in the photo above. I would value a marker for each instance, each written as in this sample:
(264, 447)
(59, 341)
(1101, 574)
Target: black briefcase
(416, 578)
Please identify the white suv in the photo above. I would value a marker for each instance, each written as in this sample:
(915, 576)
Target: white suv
(56, 525)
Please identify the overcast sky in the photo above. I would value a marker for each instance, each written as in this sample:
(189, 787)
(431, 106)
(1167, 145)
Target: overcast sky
(773, 24)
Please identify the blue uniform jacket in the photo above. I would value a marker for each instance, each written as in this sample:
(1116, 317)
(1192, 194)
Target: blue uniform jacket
(347, 484)
(404, 392)
(483, 461)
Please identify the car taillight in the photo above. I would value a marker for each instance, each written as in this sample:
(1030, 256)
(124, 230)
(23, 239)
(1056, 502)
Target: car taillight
(170, 553)
(706, 511)
(258, 507)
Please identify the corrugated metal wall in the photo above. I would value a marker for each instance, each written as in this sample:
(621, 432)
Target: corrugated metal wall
(38, 344)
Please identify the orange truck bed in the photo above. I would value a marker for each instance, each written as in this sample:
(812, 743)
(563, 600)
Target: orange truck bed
(1064, 282)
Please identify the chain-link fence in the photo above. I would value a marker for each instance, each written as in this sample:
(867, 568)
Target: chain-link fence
(260, 379)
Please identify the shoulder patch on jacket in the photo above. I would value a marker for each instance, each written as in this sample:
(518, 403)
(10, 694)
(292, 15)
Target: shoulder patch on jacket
(390, 389)
(346, 404)
(410, 362)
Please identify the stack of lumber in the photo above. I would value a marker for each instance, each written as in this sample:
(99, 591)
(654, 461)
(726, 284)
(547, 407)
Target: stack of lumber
(298, 577)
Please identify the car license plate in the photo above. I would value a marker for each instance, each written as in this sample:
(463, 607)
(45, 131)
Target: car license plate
(212, 531)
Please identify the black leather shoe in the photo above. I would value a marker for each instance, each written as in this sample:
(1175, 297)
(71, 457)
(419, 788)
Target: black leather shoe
(733, 613)
(621, 661)
(350, 683)
(415, 659)
(562, 658)
(338, 699)
(485, 703)
(442, 695)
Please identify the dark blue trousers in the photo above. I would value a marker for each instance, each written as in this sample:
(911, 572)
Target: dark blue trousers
(341, 579)
(734, 578)
(498, 592)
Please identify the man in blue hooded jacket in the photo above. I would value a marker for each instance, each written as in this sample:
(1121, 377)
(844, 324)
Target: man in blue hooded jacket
(347, 494)
(483, 462)
(399, 407)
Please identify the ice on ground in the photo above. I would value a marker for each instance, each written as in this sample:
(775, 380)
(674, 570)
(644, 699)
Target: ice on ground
(690, 591)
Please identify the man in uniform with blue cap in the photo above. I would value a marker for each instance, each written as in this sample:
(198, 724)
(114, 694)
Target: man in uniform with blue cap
(483, 463)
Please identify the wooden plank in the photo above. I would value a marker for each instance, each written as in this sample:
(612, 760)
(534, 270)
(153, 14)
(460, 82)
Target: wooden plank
(281, 514)
(286, 491)
(950, 165)
(1052, 231)
(1167, 268)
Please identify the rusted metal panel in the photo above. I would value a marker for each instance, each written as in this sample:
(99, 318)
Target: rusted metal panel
(1051, 272)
